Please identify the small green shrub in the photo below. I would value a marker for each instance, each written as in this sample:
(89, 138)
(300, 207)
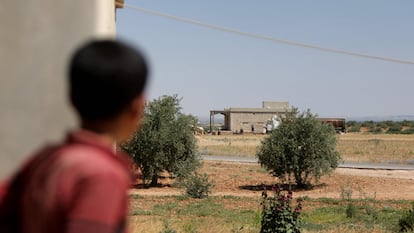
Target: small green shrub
(368, 124)
(406, 223)
(354, 129)
(351, 123)
(408, 123)
(278, 215)
(375, 130)
(383, 124)
(353, 126)
(351, 210)
(394, 130)
(408, 131)
(346, 195)
(197, 185)
(369, 205)
(190, 228)
(167, 228)
(346, 191)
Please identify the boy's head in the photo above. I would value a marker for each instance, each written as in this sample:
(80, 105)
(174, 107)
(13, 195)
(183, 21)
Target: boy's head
(105, 79)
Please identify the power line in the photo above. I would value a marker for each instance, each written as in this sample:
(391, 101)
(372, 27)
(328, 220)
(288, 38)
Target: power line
(268, 38)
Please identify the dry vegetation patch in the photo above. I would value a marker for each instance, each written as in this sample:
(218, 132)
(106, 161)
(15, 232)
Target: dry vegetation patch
(376, 148)
(235, 202)
(248, 180)
(354, 147)
(234, 205)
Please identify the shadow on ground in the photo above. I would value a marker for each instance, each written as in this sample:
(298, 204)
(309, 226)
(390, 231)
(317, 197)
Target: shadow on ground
(294, 188)
(139, 183)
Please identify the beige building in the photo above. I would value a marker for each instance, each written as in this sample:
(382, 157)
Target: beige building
(249, 119)
(36, 40)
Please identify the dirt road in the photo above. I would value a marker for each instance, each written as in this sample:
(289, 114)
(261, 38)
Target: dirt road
(375, 166)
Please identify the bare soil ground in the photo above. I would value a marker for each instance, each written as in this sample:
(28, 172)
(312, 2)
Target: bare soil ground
(248, 180)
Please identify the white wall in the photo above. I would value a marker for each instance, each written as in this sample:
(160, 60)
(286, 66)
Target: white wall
(36, 38)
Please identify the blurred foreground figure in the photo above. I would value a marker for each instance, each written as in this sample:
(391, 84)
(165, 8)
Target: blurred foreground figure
(80, 185)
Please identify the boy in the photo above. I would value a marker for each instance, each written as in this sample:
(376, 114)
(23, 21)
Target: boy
(81, 185)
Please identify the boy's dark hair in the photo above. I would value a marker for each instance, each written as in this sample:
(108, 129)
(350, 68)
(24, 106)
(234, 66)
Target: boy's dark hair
(104, 78)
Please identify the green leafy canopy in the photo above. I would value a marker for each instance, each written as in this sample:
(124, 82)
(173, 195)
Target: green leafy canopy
(165, 141)
(300, 149)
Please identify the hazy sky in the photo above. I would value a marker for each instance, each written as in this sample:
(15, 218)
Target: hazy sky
(212, 69)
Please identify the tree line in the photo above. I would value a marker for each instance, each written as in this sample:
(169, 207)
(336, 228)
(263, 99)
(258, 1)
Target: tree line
(389, 127)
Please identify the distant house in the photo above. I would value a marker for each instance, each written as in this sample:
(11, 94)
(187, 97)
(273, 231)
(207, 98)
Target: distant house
(249, 119)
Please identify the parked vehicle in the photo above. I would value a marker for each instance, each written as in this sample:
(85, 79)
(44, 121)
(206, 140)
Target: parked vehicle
(271, 124)
(337, 123)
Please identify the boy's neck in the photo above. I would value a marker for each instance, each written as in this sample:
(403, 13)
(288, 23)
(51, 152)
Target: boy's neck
(105, 131)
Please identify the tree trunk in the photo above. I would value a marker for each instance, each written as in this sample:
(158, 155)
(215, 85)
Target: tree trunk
(299, 180)
(154, 180)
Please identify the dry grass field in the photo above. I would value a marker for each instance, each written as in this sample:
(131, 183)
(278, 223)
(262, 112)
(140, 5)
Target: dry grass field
(234, 205)
(354, 147)
(240, 145)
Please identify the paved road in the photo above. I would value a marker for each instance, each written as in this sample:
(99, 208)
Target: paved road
(374, 166)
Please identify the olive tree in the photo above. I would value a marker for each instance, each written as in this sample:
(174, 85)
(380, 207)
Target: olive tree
(165, 141)
(300, 149)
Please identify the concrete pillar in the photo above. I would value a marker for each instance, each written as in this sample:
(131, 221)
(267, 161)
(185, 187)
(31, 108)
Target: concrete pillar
(36, 40)
(105, 18)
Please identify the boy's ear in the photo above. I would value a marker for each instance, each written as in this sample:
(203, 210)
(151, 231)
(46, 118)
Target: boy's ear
(137, 106)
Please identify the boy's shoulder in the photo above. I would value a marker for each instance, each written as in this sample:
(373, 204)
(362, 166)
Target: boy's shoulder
(85, 153)
(84, 161)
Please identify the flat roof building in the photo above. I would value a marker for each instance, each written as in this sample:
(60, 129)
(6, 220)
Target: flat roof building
(249, 119)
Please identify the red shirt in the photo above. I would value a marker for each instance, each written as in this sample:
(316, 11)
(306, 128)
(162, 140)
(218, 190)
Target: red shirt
(79, 186)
